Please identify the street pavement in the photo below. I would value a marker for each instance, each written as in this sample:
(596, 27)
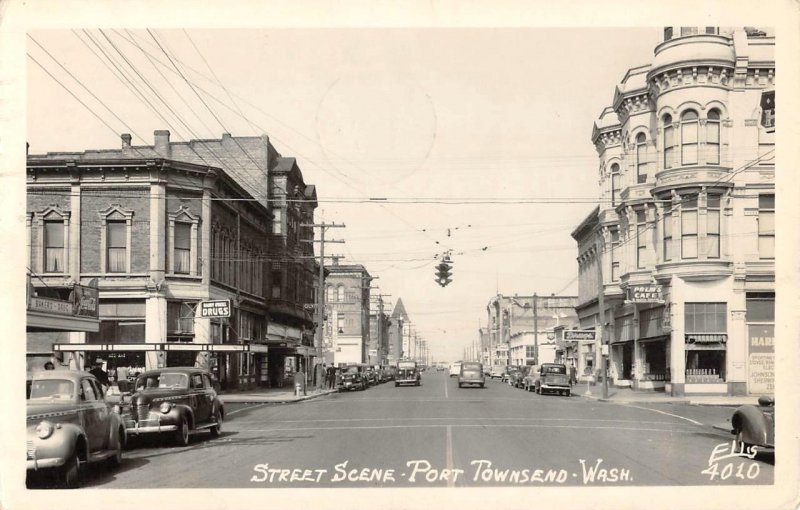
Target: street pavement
(437, 435)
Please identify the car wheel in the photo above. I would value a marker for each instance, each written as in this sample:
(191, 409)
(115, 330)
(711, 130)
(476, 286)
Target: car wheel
(483, 385)
(216, 429)
(740, 444)
(567, 393)
(70, 475)
(182, 434)
(396, 385)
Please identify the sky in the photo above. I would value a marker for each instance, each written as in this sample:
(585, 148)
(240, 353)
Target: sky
(470, 115)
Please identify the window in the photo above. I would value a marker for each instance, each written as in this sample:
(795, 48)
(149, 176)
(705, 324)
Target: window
(689, 127)
(182, 247)
(705, 318)
(197, 382)
(277, 222)
(615, 189)
(277, 278)
(712, 226)
(766, 226)
(328, 294)
(117, 246)
(641, 158)
(614, 255)
(667, 235)
(54, 247)
(87, 391)
(669, 142)
(340, 323)
(711, 30)
(180, 317)
(641, 239)
(529, 351)
(340, 293)
(689, 228)
(668, 33)
(689, 31)
(712, 137)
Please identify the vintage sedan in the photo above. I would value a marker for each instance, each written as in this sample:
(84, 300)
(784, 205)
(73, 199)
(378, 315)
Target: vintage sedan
(471, 374)
(175, 401)
(70, 425)
(754, 426)
(552, 378)
(516, 378)
(352, 378)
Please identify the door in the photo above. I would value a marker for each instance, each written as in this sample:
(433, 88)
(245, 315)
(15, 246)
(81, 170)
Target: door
(94, 417)
(201, 398)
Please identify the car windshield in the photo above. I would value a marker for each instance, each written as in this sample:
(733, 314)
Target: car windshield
(555, 369)
(54, 389)
(163, 380)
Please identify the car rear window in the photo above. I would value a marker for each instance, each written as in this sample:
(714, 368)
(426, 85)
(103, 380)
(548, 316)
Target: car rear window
(555, 369)
(471, 366)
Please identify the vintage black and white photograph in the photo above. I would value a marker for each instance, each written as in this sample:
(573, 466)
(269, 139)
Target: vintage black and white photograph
(432, 255)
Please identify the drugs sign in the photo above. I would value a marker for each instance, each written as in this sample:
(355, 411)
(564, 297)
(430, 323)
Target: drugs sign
(213, 309)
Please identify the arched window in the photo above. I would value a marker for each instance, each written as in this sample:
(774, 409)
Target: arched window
(340, 293)
(641, 158)
(669, 142)
(712, 137)
(615, 188)
(328, 294)
(689, 128)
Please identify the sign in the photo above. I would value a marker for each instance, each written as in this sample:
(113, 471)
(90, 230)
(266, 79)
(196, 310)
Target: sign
(214, 309)
(580, 335)
(761, 360)
(645, 294)
(604, 349)
(84, 301)
(40, 304)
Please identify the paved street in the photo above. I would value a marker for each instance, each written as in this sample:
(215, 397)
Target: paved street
(439, 435)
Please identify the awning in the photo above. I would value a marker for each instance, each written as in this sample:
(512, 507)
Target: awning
(190, 347)
(705, 341)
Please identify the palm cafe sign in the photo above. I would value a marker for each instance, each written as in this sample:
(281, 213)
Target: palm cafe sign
(645, 294)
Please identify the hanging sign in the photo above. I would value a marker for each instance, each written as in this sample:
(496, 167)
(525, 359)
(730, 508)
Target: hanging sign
(645, 294)
(214, 309)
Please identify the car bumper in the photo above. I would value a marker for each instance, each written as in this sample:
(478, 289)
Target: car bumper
(36, 464)
(148, 427)
(471, 381)
(554, 387)
(406, 381)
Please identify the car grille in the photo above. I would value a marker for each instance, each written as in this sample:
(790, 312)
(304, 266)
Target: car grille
(31, 450)
(140, 412)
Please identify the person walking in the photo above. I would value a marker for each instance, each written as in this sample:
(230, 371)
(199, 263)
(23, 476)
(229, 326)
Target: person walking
(573, 379)
(99, 373)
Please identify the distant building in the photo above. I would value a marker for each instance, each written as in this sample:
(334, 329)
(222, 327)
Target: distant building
(684, 231)
(522, 329)
(347, 328)
(398, 347)
(379, 323)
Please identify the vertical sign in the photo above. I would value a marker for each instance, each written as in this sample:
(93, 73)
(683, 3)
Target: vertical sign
(761, 362)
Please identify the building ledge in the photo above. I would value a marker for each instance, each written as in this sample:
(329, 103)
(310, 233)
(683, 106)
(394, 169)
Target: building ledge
(696, 270)
(691, 176)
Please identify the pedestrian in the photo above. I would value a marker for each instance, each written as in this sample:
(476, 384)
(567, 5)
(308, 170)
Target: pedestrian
(99, 373)
(331, 377)
(573, 379)
(49, 366)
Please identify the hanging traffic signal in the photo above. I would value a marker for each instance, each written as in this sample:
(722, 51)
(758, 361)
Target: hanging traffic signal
(443, 273)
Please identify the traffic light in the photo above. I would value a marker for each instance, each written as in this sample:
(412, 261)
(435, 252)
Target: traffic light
(443, 273)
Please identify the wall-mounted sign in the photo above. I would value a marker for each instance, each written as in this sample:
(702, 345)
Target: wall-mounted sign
(214, 309)
(84, 301)
(761, 359)
(580, 335)
(645, 294)
(41, 304)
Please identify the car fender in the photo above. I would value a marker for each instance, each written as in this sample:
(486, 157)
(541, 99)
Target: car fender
(115, 425)
(750, 420)
(63, 442)
(183, 411)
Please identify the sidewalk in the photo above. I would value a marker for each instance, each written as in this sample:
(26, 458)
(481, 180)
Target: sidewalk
(271, 395)
(627, 395)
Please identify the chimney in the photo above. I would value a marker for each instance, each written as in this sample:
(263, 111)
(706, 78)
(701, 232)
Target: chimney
(161, 145)
(126, 140)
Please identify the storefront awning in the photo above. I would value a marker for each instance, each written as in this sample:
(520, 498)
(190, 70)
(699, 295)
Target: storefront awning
(161, 347)
(705, 342)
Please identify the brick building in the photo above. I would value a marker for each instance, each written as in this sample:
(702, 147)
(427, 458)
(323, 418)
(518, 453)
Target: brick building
(347, 303)
(159, 229)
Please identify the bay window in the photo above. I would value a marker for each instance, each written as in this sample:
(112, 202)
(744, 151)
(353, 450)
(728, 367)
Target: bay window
(689, 228)
(668, 235)
(641, 239)
(641, 158)
(713, 226)
(689, 129)
(712, 137)
(766, 226)
(615, 187)
(669, 142)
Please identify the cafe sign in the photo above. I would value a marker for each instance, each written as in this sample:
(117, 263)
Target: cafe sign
(645, 294)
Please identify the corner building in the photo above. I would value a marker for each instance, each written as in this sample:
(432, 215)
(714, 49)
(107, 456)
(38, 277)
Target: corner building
(687, 206)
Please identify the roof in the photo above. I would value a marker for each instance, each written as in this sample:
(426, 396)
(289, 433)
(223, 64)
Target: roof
(73, 375)
(399, 310)
(590, 220)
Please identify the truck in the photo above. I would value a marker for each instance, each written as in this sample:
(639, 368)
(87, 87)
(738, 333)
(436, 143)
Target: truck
(407, 373)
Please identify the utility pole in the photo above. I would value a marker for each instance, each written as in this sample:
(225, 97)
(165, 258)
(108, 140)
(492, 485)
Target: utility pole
(535, 330)
(601, 312)
(323, 227)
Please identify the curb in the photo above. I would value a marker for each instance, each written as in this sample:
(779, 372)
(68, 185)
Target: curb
(268, 400)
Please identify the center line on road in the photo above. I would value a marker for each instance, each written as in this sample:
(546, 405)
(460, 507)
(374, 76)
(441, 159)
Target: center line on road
(666, 413)
(451, 482)
(445, 390)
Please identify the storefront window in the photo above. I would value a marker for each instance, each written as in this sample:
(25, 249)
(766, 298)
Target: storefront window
(705, 326)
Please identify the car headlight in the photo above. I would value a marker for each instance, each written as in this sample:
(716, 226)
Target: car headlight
(44, 429)
(165, 407)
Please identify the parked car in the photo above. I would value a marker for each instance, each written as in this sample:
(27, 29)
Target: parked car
(352, 379)
(754, 426)
(455, 369)
(516, 377)
(471, 374)
(176, 401)
(529, 381)
(407, 373)
(552, 377)
(508, 374)
(497, 371)
(69, 425)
